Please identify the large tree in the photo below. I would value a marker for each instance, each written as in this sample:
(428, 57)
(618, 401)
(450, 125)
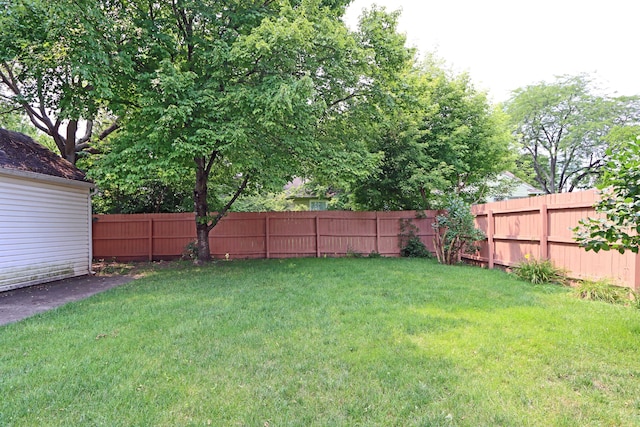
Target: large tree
(562, 128)
(441, 137)
(244, 95)
(56, 62)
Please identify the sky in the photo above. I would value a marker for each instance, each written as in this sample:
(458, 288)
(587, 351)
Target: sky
(507, 44)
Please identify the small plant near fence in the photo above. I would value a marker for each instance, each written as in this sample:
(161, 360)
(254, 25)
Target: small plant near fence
(374, 254)
(538, 271)
(190, 251)
(604, 290)
(352, 253)
(456, 232)
(410, 244)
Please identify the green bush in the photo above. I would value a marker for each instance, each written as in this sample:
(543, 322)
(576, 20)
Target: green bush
(410, 244)
(539, 271)
(190, 251)
(456, 232)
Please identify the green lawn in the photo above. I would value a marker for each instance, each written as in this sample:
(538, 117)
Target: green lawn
(324, 342)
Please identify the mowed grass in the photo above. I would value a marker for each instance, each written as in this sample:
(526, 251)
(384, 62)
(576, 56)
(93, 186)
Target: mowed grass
(324, 342)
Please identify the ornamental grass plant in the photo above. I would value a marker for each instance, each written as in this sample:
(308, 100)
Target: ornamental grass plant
(604, 290)
(538, 271)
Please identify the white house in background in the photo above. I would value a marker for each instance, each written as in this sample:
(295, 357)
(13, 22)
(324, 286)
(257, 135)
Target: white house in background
(508, 186)
(45, 215)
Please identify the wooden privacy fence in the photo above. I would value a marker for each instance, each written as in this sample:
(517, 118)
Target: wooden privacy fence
(257, 235)
(541, 227)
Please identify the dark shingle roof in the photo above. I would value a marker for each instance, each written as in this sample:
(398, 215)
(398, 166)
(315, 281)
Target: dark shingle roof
(20, 152)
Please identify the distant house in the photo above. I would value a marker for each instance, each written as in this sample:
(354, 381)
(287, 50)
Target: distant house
(508, 186)
(45, 215)
(304, 198)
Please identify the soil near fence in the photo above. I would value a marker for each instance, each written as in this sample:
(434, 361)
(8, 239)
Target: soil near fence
(21, 303)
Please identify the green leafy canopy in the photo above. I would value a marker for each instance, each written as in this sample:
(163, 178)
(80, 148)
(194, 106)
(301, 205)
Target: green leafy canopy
(562, 128)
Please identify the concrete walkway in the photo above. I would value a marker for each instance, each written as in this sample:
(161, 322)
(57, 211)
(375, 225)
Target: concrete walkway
(21, 303)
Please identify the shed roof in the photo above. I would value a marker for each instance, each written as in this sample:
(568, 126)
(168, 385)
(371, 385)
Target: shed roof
(21, 153)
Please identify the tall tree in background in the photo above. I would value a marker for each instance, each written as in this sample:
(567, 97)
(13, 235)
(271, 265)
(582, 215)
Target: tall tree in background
(56, 60)
(562, 128)
(441, 136)
(246, 95)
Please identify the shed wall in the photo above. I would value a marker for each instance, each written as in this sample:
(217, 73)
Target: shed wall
(45, 231)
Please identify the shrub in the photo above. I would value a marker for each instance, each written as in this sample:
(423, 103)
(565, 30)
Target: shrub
(410, 244)
(539, 271)
(456, 232)
(190, 251)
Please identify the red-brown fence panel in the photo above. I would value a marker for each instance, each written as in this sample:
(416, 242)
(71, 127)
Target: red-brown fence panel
(257, 235)
(537, 226)
(541, 227)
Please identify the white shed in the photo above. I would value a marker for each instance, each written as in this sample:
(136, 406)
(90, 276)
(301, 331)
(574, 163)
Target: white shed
(45, 215)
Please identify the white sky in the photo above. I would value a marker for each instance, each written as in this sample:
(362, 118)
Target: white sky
(507, 44)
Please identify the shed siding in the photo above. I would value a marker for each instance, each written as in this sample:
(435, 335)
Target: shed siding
(44, 232)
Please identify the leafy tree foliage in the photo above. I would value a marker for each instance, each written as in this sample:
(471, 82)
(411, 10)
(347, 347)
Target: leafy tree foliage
(56, 59)
(150, 196)
(14, 120)
(620, 204)
(270, 202)
(562, 128)
(242, 96)
(442, 136)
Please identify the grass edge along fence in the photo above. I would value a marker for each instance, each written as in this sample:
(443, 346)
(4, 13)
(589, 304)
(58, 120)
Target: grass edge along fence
(540, 227)
(140, 237)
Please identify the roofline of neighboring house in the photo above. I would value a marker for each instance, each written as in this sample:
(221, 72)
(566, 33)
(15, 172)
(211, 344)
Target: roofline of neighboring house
(45, 178)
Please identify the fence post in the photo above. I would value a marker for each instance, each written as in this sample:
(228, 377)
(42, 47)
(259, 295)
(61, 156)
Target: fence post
(490, 232)
(266, 234)
(544, 232)
(317, 234)
(636, 273)
(377, 233)
(150, 235)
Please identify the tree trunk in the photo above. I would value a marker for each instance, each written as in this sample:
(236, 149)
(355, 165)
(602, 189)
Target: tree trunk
(70, 143)
(423, 195)
(204, 252)
(201, 207)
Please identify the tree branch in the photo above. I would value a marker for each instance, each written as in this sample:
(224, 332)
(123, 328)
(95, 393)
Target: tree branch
(11, 82)
(87, 134)
(226, 207)
(108, 131)
(211, 161)
(537, 169)
(346, 98)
